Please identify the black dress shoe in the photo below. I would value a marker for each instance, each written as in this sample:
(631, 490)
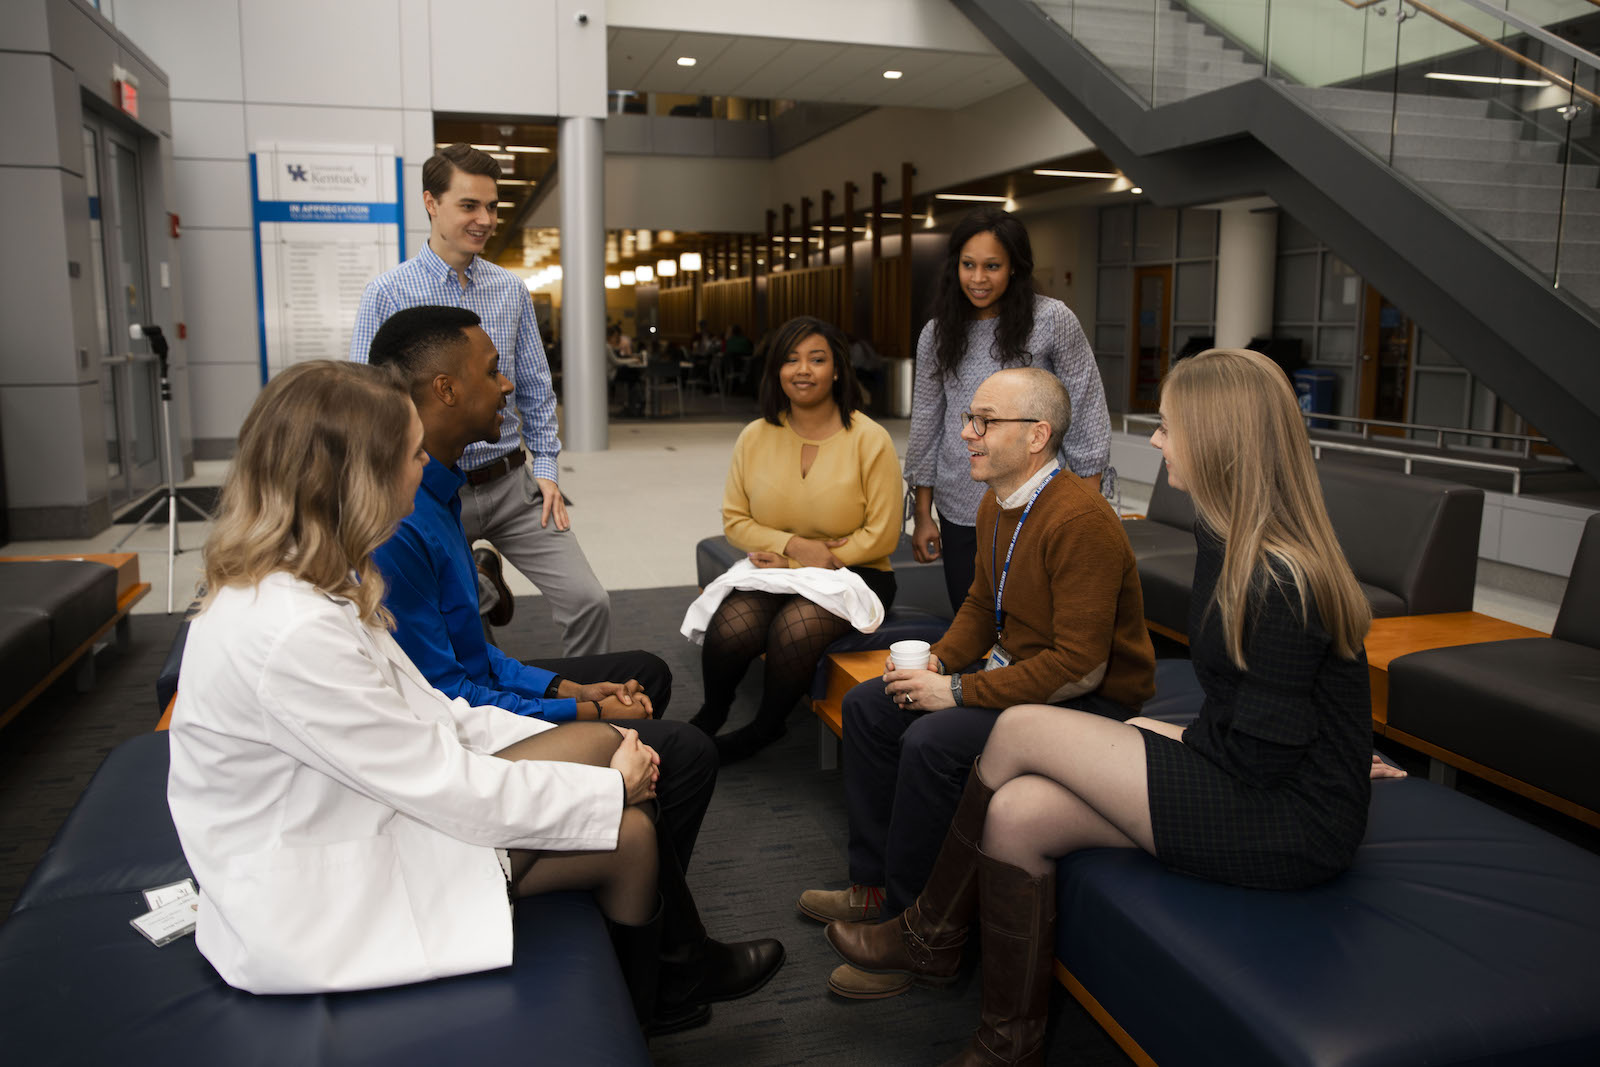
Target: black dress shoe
(738, 969)
(675, 1018)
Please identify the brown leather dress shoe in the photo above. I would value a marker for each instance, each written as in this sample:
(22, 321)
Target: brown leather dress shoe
(488, 562)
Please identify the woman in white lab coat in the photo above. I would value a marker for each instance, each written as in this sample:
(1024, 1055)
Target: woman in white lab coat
(349, 825)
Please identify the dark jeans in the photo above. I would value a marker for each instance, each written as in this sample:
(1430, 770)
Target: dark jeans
(688, 757)
(903, 776)
(959, 547)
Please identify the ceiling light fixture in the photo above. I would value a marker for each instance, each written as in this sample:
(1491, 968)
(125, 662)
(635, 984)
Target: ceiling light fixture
(526, 148)
(645, 273)
(690, 261)
(629, 277)
(976, 197)
(1076, 173)
(1136, 191)
(894, 75)
(1537, 83)
(666, 268)
(686, 61)
(613, 281)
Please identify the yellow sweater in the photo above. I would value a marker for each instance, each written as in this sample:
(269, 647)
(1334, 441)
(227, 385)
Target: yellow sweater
(852, 490)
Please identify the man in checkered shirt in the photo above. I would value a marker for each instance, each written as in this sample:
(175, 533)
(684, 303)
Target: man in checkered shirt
(509, 501)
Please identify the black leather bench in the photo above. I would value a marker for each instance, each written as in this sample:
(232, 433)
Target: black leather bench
(80, 985)
(1412, 543)
(1527, 709)
(1460, 935)
(49, 610)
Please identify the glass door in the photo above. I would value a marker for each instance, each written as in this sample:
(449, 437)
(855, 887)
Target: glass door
(130, 377)
(1152, 317)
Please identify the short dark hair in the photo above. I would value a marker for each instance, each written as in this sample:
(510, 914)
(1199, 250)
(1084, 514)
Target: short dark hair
(782, 341)
(415, 343)
(442, 165)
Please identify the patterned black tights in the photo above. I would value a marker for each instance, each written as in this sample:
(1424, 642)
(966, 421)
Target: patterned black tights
(792, 631)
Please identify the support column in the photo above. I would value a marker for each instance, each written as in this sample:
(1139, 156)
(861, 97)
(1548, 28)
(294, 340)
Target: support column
(1247, 260)
(583, 292)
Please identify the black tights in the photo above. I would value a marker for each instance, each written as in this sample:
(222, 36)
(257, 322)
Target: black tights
(792, 631)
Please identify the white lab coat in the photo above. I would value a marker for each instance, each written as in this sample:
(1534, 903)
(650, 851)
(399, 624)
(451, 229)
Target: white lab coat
(341, 814)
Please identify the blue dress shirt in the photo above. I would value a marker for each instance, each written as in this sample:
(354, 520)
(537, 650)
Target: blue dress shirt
(433, 595)
(501, 301)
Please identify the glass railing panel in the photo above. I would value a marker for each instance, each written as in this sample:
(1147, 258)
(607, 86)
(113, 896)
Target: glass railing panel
(1120, 33)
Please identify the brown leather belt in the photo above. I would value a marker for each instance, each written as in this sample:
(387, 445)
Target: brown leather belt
(498, 469)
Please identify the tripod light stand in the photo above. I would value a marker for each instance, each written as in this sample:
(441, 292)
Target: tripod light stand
(169, 492)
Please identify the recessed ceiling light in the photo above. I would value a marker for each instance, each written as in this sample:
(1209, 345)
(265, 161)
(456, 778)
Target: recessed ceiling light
(686, 61)
(971, 196)
(1076, 173)
(525, 148)
(1136, 191)
(893, 74)
(1537, 83)
(488, 148)
(506, 203)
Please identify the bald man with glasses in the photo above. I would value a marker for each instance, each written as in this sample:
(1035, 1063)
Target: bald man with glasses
(1054, 616)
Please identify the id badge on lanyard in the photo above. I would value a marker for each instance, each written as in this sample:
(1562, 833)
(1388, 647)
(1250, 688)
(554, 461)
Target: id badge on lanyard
(1000, 582)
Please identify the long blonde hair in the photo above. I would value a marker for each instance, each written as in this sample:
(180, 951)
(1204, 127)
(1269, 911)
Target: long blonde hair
(312, 491)
(1245, 459)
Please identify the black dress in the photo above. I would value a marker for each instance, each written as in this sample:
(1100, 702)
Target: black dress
(1269, 787)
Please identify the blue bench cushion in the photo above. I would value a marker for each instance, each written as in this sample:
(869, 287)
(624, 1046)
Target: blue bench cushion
(1461, 935)
(82, 986)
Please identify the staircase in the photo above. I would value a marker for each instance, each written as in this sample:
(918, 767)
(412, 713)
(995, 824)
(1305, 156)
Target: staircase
(1460, 229)
(1189, 59)
(1485, 170)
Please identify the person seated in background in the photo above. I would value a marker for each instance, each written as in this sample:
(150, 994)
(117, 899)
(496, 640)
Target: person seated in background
(1267, 789)
(450, 368)
(342, 816)
(623, 372)
(1055, 616)
(813, 483)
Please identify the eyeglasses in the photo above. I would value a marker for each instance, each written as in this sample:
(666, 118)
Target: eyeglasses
(981, 423)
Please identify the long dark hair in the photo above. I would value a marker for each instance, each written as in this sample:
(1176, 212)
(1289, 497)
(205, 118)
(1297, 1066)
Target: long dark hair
(782, 341)
(952, 310)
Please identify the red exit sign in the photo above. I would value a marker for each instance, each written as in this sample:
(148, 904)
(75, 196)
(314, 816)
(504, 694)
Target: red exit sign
(125, 91)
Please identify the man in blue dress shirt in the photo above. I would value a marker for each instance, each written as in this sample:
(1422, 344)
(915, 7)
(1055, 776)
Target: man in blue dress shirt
(505, 500)
(452, 370)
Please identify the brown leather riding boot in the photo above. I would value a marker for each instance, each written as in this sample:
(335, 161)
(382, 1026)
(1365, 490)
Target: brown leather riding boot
(1019, 940)
(925, 940)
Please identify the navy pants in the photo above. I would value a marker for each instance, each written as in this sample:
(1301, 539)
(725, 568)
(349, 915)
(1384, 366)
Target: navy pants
(903, 777)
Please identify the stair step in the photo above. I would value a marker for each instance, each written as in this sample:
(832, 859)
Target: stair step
(1458, 148)
(1409, 103)
(1108, 51)
(1577, 257)
(1500, 172)
(1531, 225)
(1471, 127)
(1500, 196)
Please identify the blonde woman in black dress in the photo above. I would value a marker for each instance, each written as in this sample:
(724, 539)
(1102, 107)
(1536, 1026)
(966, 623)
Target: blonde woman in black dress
(1268, 788)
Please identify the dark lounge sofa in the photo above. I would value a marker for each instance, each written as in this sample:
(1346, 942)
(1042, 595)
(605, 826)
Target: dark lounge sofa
(1412, 542)
(81, 986)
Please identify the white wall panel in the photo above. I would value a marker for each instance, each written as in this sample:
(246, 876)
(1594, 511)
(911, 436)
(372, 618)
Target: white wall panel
(411, 197)
(195, 41)
(28, 130)
(213, 192)
(892, 23)
(686, 192)
(221, 395)
(344, 54)
(416, 139)
(495, 56)
(416, 69)
(205, 130)
(220, 296)
(40, 426)
(324, 125)
(581, 77)
(38, 318)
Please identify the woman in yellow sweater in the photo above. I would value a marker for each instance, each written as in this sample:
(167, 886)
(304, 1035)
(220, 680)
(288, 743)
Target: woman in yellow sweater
(813, 483)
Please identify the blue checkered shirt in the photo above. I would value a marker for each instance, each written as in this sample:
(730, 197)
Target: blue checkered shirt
(501, 301)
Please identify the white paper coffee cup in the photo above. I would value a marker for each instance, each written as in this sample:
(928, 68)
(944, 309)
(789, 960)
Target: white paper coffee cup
(910, 655)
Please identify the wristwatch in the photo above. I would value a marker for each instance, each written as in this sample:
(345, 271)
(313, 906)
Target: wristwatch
(955, 688)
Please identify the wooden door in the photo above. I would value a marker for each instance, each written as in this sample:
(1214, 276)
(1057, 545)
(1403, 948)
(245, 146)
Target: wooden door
(1150, 339)
(1386, 351)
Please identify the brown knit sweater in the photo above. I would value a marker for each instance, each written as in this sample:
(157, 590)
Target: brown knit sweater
(1074, 613)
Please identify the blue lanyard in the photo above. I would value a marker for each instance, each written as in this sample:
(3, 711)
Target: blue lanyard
(994, 548)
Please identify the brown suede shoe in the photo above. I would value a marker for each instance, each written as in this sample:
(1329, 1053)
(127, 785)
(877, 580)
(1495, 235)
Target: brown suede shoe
(858, 904)
(848, 981)
(488, 563)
